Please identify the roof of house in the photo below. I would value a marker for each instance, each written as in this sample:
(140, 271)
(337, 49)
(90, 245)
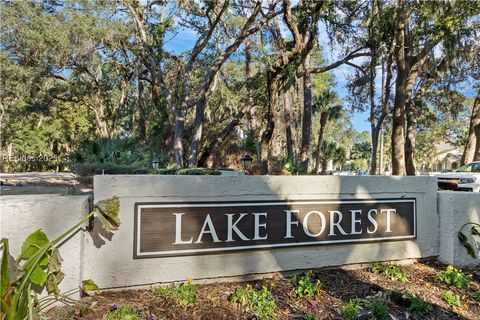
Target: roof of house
(444, 147)
(447, 151)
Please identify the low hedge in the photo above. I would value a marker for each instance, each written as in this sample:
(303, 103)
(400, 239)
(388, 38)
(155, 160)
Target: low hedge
(88, 170)
(186, 172)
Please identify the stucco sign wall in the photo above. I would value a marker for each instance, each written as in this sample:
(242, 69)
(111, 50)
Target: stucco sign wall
(174, 229)
(209, 227)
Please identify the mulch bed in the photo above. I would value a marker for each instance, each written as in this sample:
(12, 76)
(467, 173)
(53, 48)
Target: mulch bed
(339, 286)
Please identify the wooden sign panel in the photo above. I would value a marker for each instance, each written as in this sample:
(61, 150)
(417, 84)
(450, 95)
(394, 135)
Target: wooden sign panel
(175, 229)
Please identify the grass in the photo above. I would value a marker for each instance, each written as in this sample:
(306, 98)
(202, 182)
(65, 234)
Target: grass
(185, 293)
(260, 301)
(392, 272)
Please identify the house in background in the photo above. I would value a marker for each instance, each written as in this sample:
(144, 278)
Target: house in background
(447, 158)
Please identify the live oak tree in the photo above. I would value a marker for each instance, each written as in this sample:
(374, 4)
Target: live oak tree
(472, 69)
(472, 148)
(419, 28)
(247, 81)
(53, 58)
(301, 45)
(206, 19)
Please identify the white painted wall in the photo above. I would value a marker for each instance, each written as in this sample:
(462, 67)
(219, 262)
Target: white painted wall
(455, 209)
(20, 215)
(109, 259)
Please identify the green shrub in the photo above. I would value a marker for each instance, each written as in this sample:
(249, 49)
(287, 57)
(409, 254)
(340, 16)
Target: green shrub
(453, 276)
(393, 272)
(311, 316)
(351, 308)
(111, 156)
(292, 167)
(126, 313)
(306, 285)
(418, 306)
(476, 296)
(185, 293)
(379, 309)
(198, 172)
(452, 299)
(39, 265)
(186, 172)
(261, 302)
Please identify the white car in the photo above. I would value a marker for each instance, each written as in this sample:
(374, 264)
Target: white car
(466, 178)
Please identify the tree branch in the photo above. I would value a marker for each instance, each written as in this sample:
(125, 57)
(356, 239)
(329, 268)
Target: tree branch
(345, 60)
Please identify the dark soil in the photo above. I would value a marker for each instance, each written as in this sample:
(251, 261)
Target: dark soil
(339, 286)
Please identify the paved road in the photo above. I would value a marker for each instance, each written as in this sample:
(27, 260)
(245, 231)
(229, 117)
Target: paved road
(38, 178)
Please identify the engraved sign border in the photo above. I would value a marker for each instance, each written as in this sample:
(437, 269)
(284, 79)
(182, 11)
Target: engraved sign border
(199, 204)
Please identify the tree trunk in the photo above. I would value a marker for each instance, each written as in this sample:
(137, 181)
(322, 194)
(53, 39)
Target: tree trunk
(287, 104)
(101, 121)
(324, 167)
(321, 131)
(381, 162)
(398, 122)
(477, 147)
(471, 152)
(268, 133)
(411, 139)
(398, 138)
(306, 117)
(178, 137)
(197, 134)
(278, 142)
(373, 163)
(375, 135)
(142, 118)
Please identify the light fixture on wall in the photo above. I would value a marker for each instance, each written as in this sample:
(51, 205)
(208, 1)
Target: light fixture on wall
(246, 163)
(155, 163)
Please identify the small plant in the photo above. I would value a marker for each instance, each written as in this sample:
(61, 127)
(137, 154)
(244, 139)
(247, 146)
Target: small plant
(379, 309)
(452, 299)
(306, 285)
(261, 302)
(393, 272)
(470, 238)
(453, 276)
(419, 306)
(39, 264)
(126, 313)
(311, 316)
(185, 293)
(351, 308)
(476, 296)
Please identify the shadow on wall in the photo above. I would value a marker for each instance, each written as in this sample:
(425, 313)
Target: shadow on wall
(120, 269)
